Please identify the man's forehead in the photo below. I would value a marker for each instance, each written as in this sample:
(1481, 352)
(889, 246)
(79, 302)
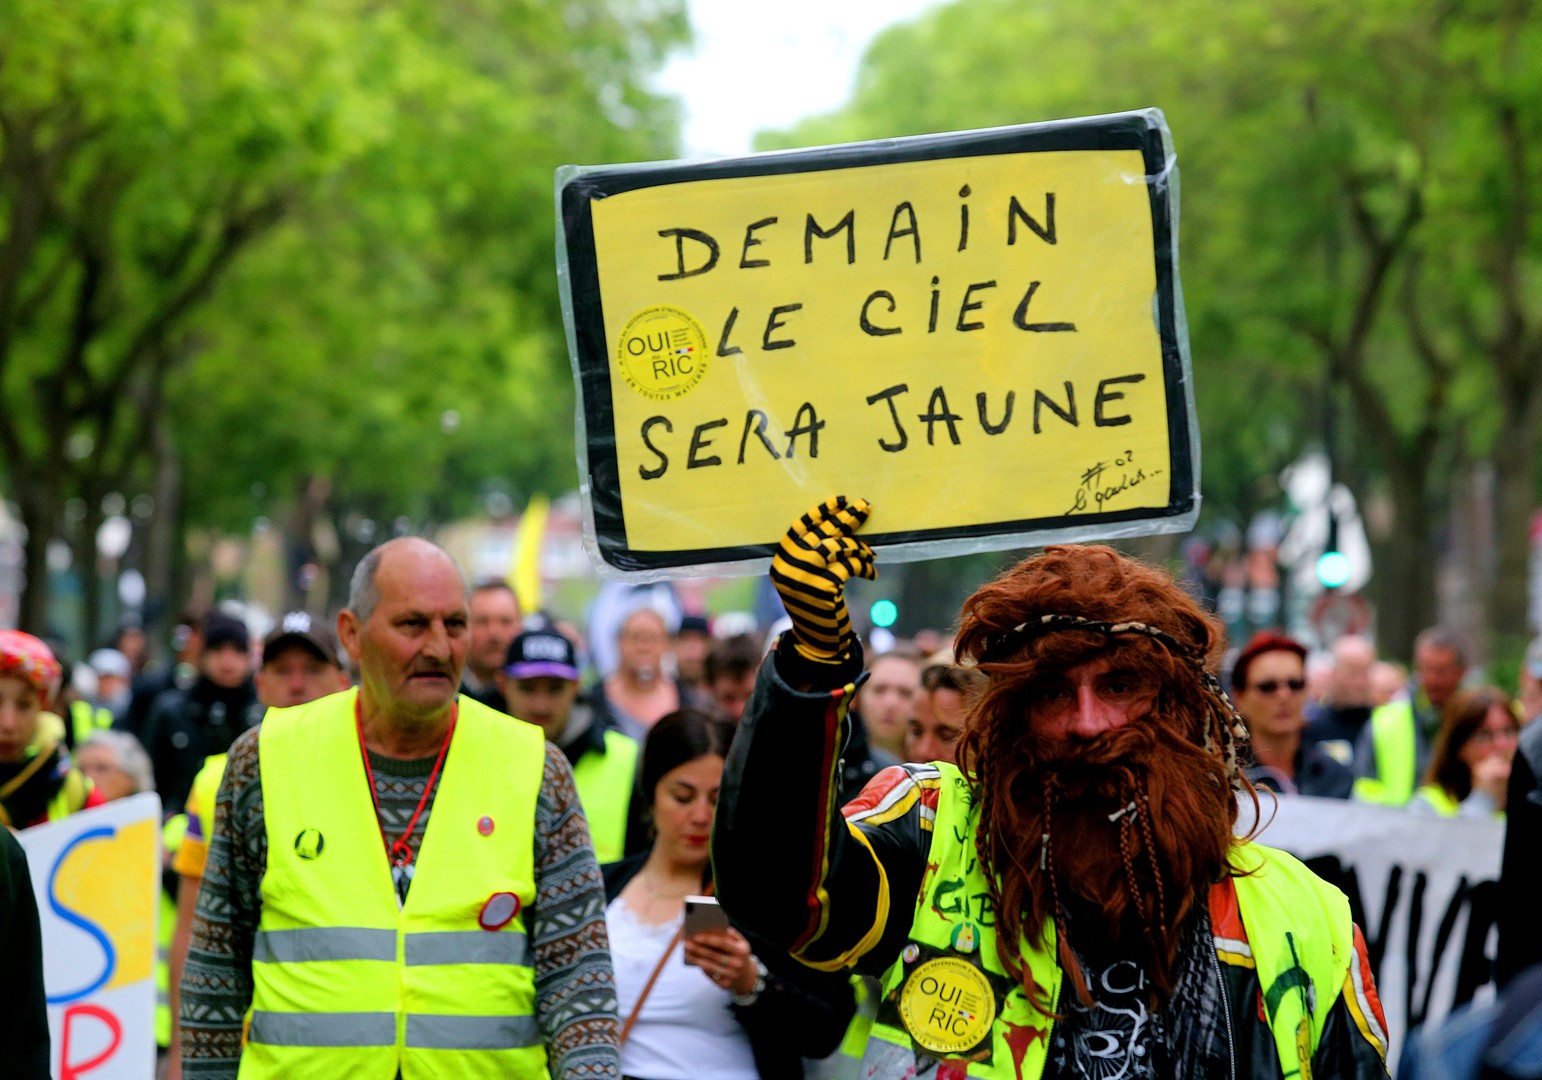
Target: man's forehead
(422, 577)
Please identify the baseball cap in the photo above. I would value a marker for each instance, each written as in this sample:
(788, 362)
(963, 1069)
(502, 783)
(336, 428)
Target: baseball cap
(110, 662)
(300, 628)
(541, 652)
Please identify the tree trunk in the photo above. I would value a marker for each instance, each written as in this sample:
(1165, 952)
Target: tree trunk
(1514, 463)
(39, 513)
(1404, 584)
(88, 566)
(162, 533)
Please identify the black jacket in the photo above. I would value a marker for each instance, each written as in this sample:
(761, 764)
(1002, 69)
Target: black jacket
(186, 726)
(802, 1012)
(23, 1015)
(1520, 876)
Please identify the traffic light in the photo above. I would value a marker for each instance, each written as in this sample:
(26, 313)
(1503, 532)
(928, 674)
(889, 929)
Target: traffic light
(1332, 566)
(883, 613)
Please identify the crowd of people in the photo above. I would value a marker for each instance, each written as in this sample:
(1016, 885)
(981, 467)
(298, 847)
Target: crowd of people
(1046, 804)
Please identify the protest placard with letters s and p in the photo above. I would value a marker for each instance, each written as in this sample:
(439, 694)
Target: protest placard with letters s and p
(97, 879)
(981, 333)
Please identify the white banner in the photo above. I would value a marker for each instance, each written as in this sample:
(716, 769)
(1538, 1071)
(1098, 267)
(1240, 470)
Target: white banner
(97, 879)
(1422, 889)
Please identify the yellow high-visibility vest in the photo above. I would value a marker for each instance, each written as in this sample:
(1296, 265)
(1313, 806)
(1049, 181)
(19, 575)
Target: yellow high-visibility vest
(346, 981)
(959, 1002)
(86, 720)
(605, 782)
(1396, 752)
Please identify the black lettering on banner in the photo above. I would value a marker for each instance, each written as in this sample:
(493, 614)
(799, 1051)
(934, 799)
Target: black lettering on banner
(700, 442)
(963, 219)
(871, 328)
(750, 240)
(755, 423)
(985, 424)
(811, 229)
(723, 348)
(774, 323)
(1105, 395)
(1020, 316)
(931, 323)
(913, 230)
(1046, 232)
(937, 412)
(1068, 414)
(647, 426)
(681, 236)
(969, 304)
(1411, 953)
(899, 428)
(810, 427)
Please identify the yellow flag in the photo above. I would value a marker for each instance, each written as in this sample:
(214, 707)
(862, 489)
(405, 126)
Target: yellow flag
(525, 559)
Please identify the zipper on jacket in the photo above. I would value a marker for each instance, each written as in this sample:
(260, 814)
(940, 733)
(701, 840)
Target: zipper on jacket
(1231, 1044)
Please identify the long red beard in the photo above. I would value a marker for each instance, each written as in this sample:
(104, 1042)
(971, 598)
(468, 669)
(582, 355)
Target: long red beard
(1138, 824)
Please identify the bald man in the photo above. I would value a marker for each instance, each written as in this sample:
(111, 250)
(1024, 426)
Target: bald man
(311, 914)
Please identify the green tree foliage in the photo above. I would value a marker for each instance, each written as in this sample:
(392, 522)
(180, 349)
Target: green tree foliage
(273, 241)
(1359, 235)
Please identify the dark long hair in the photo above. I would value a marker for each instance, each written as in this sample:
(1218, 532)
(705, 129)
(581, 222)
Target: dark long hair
(677, 739)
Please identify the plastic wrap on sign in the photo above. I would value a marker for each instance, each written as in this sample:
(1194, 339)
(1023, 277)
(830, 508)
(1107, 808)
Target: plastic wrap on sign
(982, 333)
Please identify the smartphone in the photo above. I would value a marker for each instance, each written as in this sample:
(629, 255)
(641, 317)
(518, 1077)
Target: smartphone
(703, 913)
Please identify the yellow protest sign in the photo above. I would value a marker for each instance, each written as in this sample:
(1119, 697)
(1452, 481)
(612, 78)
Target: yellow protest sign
(979, 333)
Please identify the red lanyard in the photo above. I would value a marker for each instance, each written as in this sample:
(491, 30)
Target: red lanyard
(400, 853)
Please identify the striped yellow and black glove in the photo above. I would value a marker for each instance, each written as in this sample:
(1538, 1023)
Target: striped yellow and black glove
(816, 558)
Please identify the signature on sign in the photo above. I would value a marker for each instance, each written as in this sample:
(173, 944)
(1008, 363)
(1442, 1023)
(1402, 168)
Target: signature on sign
(1107, 480)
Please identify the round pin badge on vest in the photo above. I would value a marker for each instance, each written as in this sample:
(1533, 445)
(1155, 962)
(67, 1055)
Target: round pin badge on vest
(499, 911)
(308, 844)
(485, 826)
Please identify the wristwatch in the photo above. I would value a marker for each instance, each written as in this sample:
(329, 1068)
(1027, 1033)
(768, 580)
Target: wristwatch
(760, 986)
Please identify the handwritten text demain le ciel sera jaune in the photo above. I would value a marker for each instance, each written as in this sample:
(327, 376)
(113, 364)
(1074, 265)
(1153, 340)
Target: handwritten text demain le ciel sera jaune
(882, 315)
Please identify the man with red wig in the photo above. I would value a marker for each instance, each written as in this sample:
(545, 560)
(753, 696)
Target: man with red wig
(1069, 900)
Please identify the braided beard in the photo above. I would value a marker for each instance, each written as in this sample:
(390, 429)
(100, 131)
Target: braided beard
(1138, 827)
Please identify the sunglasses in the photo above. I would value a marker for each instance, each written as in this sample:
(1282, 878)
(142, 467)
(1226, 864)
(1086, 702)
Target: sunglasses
(1269, 686)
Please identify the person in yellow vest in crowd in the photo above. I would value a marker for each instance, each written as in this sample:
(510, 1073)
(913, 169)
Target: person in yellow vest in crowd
(38, 779)
(539, 681)
(300, 663)
(400, 881)
(1469, 772)
(1068, 900)
(1393, 751)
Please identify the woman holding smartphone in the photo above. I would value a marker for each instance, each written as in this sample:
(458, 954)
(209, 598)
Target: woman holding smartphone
(695, 998)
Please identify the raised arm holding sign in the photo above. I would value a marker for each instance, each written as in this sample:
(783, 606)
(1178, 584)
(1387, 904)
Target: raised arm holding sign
(1069, 899)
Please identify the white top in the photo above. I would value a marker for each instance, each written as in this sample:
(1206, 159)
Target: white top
(686, 1029)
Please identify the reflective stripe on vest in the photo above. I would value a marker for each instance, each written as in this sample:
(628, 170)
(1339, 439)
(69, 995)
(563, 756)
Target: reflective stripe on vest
(424, 1031)
(605, 782)
(348, 983)
(1396, 753)
(1298, 929)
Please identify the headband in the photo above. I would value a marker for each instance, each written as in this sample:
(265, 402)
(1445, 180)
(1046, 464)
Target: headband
(1233, 729)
